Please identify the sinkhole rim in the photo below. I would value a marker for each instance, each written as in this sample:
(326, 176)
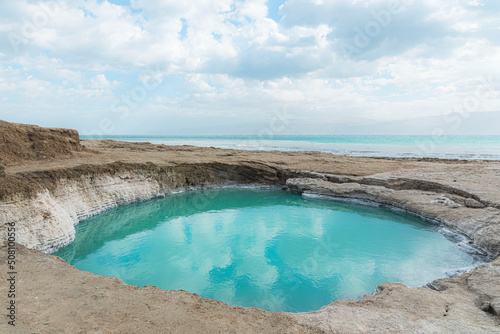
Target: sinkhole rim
(440, 228)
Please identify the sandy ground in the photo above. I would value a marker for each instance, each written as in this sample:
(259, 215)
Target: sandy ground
(107, 151)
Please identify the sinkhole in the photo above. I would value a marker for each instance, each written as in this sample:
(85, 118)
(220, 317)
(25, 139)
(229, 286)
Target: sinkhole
(271, 249)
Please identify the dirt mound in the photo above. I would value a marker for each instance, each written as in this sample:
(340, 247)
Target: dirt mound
(21, 142)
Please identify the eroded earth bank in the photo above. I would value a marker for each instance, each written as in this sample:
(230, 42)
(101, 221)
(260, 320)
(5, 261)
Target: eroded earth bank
(50, 180)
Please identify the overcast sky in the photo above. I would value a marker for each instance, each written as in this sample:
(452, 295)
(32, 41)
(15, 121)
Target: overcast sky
(223, 66)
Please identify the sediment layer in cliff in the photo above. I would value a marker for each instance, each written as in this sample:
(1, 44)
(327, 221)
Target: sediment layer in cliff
(47, 204)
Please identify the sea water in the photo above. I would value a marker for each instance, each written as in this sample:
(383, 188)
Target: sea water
(270, 249)
(405, 146)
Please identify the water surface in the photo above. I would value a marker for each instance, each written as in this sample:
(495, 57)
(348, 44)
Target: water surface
(399, 146)
(269, 249)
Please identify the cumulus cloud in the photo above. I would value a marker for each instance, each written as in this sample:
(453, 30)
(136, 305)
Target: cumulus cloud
(225, 61)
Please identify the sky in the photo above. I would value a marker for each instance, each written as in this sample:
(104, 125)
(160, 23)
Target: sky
(240, 67)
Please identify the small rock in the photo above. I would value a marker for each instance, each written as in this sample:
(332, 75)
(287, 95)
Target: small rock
(2, 171)
(456, 272)
(472, 203)
(445, 201)
(390, 287)
(437, 285)
(485, 306)
(495, 306)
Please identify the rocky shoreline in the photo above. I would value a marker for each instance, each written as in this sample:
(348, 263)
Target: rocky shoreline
(47, 193)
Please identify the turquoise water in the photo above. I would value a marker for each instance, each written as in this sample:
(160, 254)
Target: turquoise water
(450, 147)
(270, 249)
